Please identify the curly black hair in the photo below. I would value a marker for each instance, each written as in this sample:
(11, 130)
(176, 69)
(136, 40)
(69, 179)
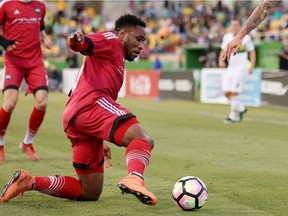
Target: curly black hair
(128, 20)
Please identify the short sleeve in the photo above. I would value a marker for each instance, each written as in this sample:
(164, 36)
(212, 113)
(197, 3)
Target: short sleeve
(103, 46)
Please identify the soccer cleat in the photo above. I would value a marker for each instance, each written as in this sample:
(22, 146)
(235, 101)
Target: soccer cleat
(2, 155)
(241, 114)
(133, 184)
(28, 148)
(20, 182)
(229, 121)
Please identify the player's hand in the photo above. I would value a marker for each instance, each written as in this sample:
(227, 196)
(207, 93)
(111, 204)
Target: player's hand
(8, 45)
(11, 46)
(76, 38)
(232, 47)
(107, 156)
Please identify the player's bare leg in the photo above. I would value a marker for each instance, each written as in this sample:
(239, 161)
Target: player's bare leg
(35, 121)
(92, 186)
(10, 101)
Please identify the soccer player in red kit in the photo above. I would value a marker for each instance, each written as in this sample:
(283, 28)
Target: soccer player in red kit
(23, 21)
(92, 115)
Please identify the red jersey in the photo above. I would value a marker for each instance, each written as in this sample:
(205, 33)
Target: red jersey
(101, 74)
(23, 22)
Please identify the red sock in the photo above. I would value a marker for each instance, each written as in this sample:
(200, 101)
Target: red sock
(137, 156)
(59, 186)
(4, 121)
(36, 119)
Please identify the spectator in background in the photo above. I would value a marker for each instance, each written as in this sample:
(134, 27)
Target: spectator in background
(211, 56)
(78, 7)
(61, 6)
(72, 59)
(283, 56)
(54, 76)
(236, 73)
(62, 44)
(157, 65)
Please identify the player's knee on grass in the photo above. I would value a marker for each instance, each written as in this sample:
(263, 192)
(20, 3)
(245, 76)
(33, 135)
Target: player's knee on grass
(92, 186)
(89, 196)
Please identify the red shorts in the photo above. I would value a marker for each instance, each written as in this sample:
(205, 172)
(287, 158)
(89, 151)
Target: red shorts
(36, 77)
(90, 126)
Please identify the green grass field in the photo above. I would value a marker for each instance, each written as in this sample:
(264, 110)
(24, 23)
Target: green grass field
(243, 165)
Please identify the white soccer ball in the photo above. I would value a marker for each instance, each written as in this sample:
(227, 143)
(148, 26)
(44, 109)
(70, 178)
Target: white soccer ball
(190, 193)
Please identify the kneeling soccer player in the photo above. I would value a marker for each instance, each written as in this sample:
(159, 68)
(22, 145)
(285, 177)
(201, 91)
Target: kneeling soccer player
(92, 115)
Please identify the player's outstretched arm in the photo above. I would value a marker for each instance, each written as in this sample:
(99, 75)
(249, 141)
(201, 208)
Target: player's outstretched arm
(7, 44)
(77, 42)
(257, 16)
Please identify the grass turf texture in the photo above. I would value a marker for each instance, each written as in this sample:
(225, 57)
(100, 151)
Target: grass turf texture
(243, 165)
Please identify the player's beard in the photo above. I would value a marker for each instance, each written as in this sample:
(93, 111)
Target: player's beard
(128, 56)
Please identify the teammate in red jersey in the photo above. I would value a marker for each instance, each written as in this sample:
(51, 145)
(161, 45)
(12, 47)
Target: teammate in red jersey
(92, 115)
(23, 21)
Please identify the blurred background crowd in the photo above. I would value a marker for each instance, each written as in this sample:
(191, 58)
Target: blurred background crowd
(171, 25)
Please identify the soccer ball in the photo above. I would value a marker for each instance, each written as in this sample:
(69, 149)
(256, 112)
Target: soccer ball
(190, 193)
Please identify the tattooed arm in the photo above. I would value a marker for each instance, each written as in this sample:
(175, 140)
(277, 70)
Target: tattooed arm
(257, 16)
